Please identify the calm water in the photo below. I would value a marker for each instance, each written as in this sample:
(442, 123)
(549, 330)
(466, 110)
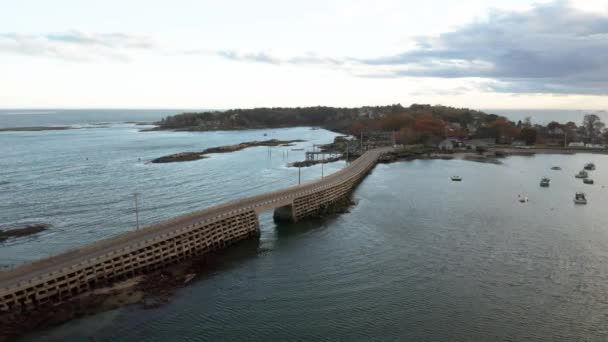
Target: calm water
(83, 181)
(418, 258)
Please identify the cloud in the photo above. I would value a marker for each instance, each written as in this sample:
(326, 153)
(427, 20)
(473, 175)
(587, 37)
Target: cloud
(551, 48)
(267, 58)
(75, 45)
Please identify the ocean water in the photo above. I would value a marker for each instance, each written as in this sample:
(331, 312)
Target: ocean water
(83, 181)
(66, 117)
(417, 258)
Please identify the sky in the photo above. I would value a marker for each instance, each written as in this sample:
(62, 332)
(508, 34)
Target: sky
(549, 54)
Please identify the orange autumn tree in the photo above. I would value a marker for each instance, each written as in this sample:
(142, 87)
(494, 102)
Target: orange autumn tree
(428, 126)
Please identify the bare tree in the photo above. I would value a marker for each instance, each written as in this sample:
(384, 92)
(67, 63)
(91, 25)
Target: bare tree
(593, 127)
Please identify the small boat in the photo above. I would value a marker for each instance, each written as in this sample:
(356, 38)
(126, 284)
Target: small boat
(588, 181)
(582, 174)
(579, 198)
(265, 134)
(297, 149)
(456, 178)
(522, 199)
(545, 182)
(590, 167)
(557, 168)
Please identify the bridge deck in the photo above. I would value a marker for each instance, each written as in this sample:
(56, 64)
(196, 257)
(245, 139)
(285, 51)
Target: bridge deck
(257, 203)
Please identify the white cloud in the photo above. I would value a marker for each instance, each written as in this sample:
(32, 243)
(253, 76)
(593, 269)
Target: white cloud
(75, 45)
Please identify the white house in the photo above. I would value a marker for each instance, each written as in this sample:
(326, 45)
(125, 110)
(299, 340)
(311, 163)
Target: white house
(576, 144)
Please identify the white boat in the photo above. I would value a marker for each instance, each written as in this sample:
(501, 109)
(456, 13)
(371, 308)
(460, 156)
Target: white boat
(579, 198)
(582, 174)
(588, 181)
(557, 168)
(456, 178)
(522, 199)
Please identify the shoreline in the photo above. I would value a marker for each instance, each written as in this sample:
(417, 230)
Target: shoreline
(36, 128)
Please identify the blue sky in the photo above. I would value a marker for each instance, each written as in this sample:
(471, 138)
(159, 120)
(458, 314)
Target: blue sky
(225, 54)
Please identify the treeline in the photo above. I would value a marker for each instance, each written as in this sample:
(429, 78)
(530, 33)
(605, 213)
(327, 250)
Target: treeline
(386, 118)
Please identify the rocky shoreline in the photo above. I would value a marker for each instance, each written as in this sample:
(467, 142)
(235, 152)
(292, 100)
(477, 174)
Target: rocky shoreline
(189, 156)
(147, 291)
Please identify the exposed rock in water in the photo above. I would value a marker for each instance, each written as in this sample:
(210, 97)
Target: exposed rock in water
(179, 157)
(307, 163)
(23, 231)
(244, 145)
(188, 156)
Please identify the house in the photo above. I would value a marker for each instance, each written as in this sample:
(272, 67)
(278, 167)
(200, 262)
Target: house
(556, 131)
(449, 144)
(576, 144)
(596, 146)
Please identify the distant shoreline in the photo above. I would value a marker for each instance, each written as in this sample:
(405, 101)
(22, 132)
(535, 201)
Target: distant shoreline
(35, 128)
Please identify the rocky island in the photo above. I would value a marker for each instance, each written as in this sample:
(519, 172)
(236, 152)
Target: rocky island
(188, 156)
(23, 230)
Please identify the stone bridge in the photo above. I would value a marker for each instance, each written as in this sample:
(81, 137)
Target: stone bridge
(57, 278)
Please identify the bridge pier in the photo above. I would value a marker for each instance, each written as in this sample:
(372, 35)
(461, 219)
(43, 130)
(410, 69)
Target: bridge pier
(284, 214)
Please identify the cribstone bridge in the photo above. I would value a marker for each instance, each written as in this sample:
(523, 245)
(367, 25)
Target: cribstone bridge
(58, 278)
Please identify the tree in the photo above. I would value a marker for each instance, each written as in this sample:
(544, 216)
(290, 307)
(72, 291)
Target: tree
(554, 125)
(528, 135)
(593, 127)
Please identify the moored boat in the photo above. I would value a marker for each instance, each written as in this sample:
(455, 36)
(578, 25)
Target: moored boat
(582, 174)
(588, 181)
(580, 198)
(590, 166)
(545, 182)
(556, 168)
(456, 178)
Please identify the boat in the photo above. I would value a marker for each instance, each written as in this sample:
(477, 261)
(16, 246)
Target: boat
(297, 149)
(579, 198)
(556, 168)
(590, 166)
(582, 174)
(545, 182)
(588, 181)
(456, 178)
(522, 199)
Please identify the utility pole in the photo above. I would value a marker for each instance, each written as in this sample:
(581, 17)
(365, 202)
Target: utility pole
(347, 152)
(299, 174)
(136, 210)
(322, 163)
(361, 140)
